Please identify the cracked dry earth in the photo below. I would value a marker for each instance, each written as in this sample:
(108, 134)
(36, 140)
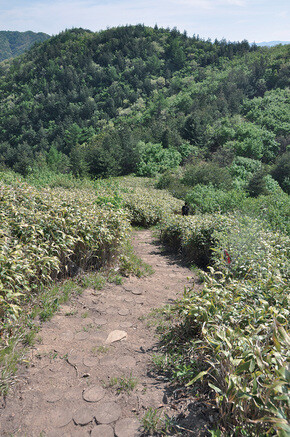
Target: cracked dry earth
(97, 336)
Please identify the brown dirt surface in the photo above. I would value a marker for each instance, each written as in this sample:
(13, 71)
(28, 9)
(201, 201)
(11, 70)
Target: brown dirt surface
(67, 390)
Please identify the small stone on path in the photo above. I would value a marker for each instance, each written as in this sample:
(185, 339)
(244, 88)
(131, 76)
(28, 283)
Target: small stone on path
(67, 336)
(102, 431)
(116, 336)
(81, 336)
(83, 416)
(91, 361)
(123, 311)
(127, 427)
(60, 418)
(94, 394)
(107, 412)
(126, 324)
(53, 396)
(100, 321)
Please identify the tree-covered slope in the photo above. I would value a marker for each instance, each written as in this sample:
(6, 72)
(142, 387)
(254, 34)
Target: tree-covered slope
(109, 103)
(14, 43)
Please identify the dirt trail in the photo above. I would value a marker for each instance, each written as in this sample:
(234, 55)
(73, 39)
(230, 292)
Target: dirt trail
(97, 336)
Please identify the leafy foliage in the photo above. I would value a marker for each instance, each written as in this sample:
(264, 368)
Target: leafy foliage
(94, 96)
(50, 233)
(13, 44)
(232, 332)
(153, 159)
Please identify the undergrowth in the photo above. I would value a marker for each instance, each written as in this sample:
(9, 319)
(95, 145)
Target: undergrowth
(228, 340)
(17, 336)
(122, 384)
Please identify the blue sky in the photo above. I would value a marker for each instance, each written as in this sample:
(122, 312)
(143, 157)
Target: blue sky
(254, 20)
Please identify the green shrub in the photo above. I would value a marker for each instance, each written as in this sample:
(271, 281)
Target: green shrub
(274, 209)
(207, 199)
(153, 159)
(51, 233)
(148, 207)
(239, 330)
(254, 250)
(242, 169)
(281, 171)
(170, 181)
(206, 173)
(191, 235)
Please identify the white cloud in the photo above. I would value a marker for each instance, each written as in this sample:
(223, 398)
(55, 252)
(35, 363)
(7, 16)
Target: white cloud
(201, 4)
(242, 3)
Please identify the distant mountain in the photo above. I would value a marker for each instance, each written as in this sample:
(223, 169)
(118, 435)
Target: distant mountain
(271, 43)
(15, 43)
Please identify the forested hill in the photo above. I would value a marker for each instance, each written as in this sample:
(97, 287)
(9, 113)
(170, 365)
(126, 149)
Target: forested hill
(98, 103)
(14, 43)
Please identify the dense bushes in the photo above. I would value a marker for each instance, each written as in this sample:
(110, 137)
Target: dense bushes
(154, 159)
(149, 207)
(206, 173)
(236, 332)
(192, 236)
(207, 199)
(51, 233)
(232, 332)
(65, 226)
(229, 338)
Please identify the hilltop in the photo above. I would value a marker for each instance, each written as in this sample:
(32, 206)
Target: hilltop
(14, 43)
(113, 102)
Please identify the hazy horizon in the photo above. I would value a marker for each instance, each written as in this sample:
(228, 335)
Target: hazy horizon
(234, 20)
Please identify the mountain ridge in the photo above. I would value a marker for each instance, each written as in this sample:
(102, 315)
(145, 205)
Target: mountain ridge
(99, 102)
(14, 43)
(271, 43)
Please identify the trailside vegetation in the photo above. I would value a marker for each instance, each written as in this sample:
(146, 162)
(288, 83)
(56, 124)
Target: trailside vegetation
(227, 339)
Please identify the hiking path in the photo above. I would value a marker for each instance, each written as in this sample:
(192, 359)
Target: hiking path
(94, 342)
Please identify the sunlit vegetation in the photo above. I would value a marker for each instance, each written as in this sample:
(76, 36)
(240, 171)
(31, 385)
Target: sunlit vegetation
(139, 100)
(107, 130)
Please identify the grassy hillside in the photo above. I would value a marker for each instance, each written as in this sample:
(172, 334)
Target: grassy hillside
(227, 339)
(13, 44)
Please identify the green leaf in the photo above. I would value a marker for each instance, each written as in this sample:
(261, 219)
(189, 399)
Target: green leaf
(215, 388)
(197, 378)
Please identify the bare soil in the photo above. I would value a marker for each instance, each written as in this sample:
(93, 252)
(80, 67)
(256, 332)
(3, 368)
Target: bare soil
(66, 388)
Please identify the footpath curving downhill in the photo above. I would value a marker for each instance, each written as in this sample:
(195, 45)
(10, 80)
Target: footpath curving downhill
(67, 390)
